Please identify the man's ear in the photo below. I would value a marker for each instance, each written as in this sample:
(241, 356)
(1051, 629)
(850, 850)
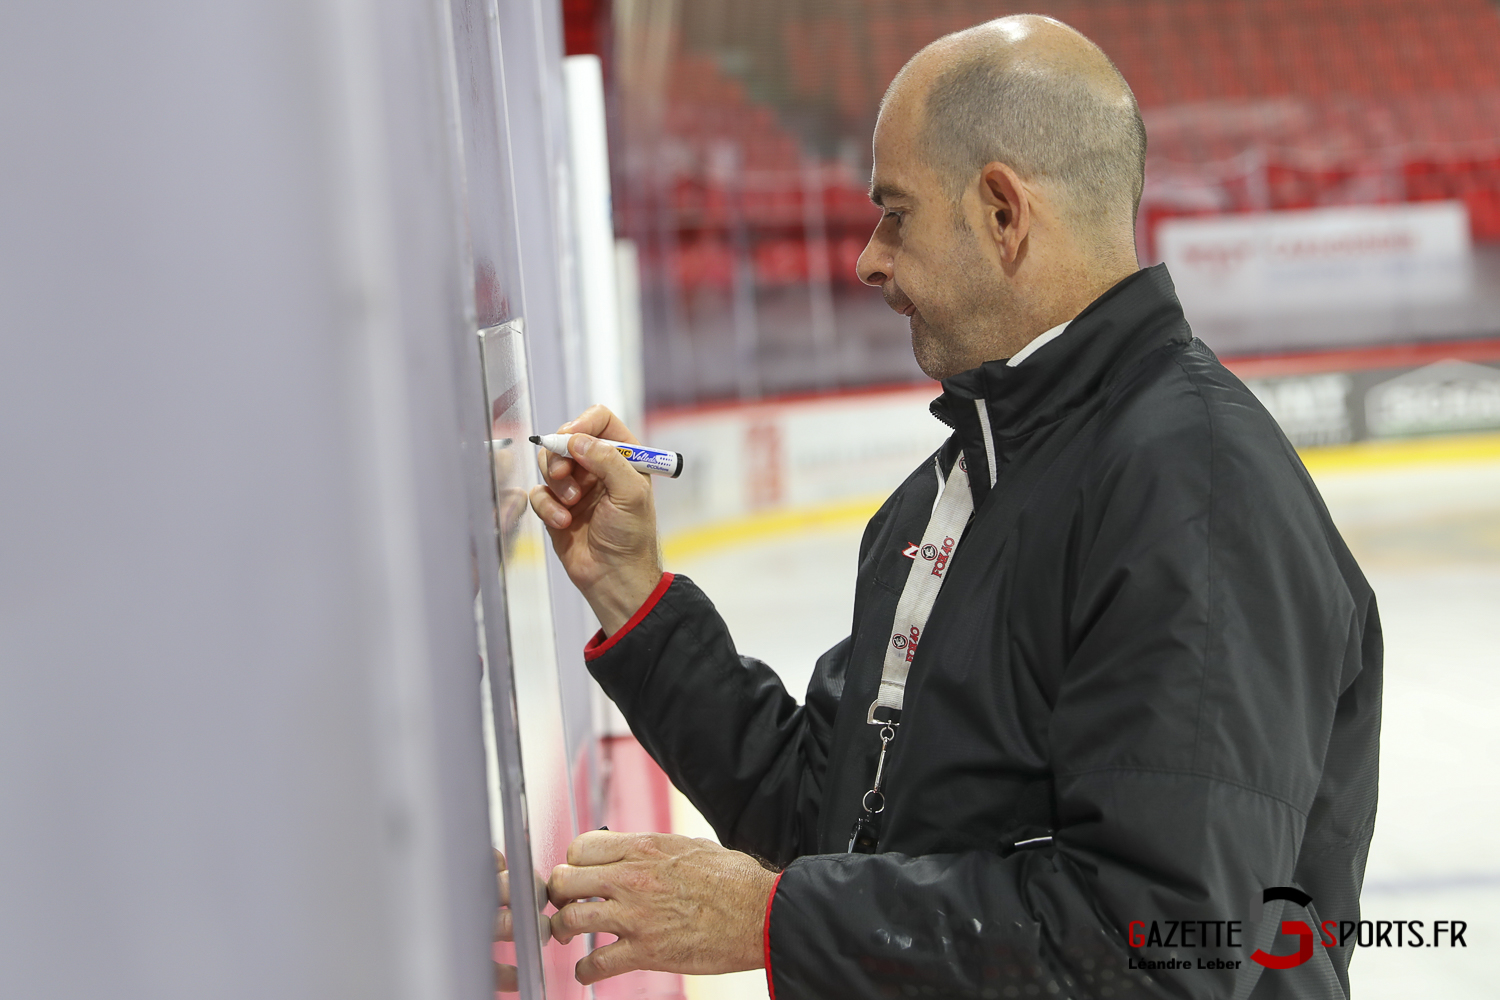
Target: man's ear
(1006, 201)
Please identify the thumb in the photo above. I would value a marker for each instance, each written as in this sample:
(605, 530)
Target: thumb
(621, 481)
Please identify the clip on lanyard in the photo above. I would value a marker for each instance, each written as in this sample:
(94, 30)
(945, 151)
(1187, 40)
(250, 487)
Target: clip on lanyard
(928, 571)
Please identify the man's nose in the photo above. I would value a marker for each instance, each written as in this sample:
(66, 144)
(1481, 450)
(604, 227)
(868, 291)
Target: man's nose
(874, 264)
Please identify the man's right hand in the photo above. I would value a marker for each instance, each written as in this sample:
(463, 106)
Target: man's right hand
(601, 515)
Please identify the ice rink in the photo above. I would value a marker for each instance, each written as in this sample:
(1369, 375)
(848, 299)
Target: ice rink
(1424, 523)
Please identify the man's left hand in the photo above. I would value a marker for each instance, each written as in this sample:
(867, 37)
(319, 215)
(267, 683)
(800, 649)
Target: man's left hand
(675, 903)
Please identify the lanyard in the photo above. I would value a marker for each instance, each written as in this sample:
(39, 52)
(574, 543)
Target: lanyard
(929, 568)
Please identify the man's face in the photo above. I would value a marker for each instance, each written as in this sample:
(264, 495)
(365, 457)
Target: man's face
(927, 259)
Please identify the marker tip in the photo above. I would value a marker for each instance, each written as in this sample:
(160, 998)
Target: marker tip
(534, 439)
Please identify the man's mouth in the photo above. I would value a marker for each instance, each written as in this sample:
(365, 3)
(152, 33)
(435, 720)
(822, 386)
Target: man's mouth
(904, 308)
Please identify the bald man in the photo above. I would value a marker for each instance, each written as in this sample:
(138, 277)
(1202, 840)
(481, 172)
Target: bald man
(1107, 719)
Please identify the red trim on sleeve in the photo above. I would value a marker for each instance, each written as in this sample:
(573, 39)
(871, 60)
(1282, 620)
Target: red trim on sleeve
(766, 934)
(598, 645)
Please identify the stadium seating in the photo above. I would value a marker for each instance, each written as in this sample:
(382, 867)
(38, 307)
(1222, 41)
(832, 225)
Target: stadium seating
(1250, 105)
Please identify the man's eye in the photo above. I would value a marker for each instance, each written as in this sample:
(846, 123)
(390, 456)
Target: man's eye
(894, 217)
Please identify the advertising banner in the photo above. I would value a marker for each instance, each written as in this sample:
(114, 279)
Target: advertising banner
(1319, 259)
(1447, 396)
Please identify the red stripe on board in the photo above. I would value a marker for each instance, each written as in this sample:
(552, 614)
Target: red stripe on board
(1363, 358)
(1245, 366)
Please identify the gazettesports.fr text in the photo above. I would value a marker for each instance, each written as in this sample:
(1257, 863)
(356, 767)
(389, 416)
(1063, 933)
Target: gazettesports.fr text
(1334, 933)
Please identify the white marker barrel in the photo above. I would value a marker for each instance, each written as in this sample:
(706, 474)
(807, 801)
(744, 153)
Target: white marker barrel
(655, 461)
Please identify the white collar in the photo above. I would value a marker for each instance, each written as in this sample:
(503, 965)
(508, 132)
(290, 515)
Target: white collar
(1037, 344)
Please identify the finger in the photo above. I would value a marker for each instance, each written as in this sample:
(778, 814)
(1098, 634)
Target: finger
(602, 963)
(558, 474)
(622, 482)
(499, 860)
(554, 466)
(586, 917)
(547, 507)
(505, 928)
(502, 882)
(598, 847)
(605, 847)
(598, 421)
(568, 883)
(505, 979)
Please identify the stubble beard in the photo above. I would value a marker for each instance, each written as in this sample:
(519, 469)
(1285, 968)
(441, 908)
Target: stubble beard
(969, 334)
(968, 329)
(933, 350)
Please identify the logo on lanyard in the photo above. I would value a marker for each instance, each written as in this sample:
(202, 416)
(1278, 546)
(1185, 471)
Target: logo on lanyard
(941, 562)
(907, 642)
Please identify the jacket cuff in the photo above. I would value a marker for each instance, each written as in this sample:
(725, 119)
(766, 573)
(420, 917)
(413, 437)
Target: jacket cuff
(766, 936)
(599, 645)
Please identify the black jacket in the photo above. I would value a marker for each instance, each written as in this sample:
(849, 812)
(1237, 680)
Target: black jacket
(1152, 648)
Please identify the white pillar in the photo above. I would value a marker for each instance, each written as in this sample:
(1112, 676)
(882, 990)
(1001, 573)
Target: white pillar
(593, 222)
